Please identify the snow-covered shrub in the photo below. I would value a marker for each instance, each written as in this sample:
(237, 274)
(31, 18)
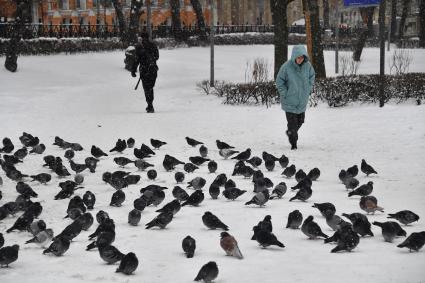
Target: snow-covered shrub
(400, 61)
(348, 66)
(257, 70)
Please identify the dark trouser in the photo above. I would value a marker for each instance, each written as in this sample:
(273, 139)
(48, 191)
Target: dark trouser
(295, 122)
(148, 82)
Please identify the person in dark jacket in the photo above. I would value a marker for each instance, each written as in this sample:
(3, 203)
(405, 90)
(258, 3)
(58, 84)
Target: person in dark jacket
(146, 56)
(294, 83)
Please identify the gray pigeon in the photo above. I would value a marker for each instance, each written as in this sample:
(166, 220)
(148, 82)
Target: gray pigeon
(197, 183)
(405, 216)
(8, 255)
(260, 198)
(128, 264)
(208, 272)
(311, 229)
(58, 247)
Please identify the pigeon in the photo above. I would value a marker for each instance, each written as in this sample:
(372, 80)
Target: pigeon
(189, 246)
(279, 190)
(283, 161)
(42, 238)
(266, 223)
(117, 198)
(179, 177)
(59, 246)
(227, 152)
(314, 174)
(366, 168)
(269, 164)
(203, 151)
(353, 171)
(69, 154)
(79, 179)
(351, 183)
(303, 194)
(120, 146)
(198, 160)
(146, 149)
(123, 161)
(132, 179)
(363, 190)
(193, 142)
(141, 154)
(128, 264)
(243, 156)
(260, 198)
(262, 184)
(89, 199)
(311, 229)
(333, 221)
(134, 217)
(170, 162)
(28, 139)
(255, 161)
(97, 152)
(229, 244)
(300, 175)
(325, 208)
(266, 238)
(195, 198)
(25, 190)
(213, 222)
(8, 255)
(173, 207)
(43, 178)
(71, 231)
(180, 194)
(405, 216)
(21, 153)
(346, 239)
(306, 182)
(415, 241)
(86, 220)
(220, 180)
(223, 145)
(157, 143)
(1, 240)
(8, 146)
(142, 165)
(370, 204)
(361, 224)
(38, 149)
(152, 174)
(77, 168)
(189, 167)
(11, 159)
(74, 213)
(295, 218)
(212, 166)
(110, 254)
(21, 223)
(208, 272)
(233, 193)
(105, 238)
(101, 216)
(289, 171)
(3, 213)
(343, 176)
(197, 183)
(214, 191)
(161, 220)
(390, 230)
(130, 142)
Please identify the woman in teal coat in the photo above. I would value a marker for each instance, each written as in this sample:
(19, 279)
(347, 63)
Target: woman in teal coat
(294, 83)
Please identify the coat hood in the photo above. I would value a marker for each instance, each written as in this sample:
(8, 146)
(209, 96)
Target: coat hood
(299, 50)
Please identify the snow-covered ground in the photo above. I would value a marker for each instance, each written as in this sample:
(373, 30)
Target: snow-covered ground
(89, 98)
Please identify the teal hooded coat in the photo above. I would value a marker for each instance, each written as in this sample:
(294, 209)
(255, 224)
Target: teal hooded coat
(294, 82)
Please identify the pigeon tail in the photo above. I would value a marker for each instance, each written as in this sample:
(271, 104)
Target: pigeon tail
(236, 252)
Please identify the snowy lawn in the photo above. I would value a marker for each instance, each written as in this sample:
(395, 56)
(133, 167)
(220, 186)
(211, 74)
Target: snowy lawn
(89, 99)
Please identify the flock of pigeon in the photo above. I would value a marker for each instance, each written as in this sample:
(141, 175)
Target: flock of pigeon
(347, 234)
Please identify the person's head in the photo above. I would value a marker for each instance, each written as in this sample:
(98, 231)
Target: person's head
(144, 36)
(300, 59)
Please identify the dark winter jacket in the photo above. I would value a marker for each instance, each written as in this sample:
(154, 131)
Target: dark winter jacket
(146, 56)
(294, 82)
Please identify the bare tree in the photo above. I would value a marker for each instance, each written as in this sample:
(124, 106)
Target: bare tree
(280, 22)
(22, 16)
(326, 14)
(404, 13)
(365, 31)
(133, 27)
(200, 18)
(176, 24)
(393, 19)
(121, 20)
(422, 23)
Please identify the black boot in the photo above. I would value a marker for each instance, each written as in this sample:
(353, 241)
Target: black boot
(292, 138)
(150, 109)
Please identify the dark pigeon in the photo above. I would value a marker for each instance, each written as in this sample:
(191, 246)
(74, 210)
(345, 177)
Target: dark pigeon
(189, 246)
(295, 218)
(366, 168)
(128, 264)
(213, 222)
(208, 272)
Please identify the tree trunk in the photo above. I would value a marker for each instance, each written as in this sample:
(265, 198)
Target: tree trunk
(121, 21)
(326, 24)
(200, 18)
(422, 24)
(367, 29)
(404, 13)
(176, 24)
(317, 58)
(133, 27)
(280, 22)
(22, 15)
(393, 19)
